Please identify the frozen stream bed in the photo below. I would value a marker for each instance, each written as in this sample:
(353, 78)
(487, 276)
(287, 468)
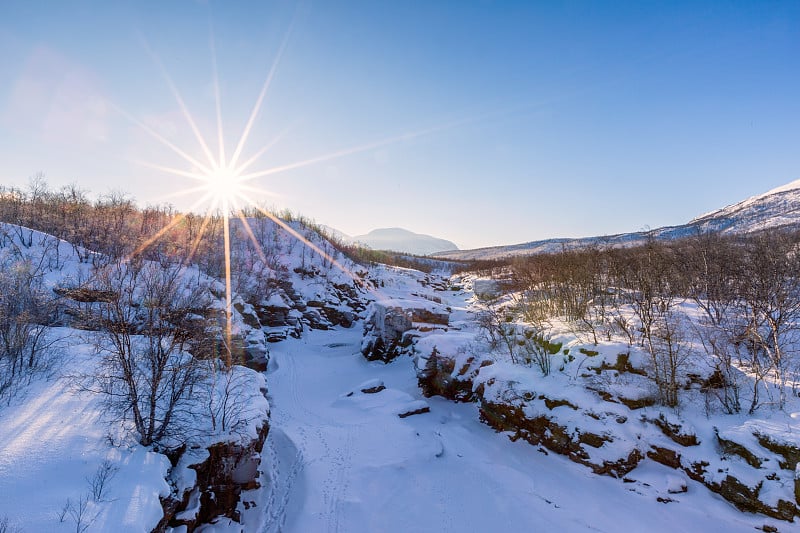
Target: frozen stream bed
(346, 462)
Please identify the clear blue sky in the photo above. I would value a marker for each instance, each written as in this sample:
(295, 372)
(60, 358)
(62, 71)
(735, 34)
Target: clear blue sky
(543, 119)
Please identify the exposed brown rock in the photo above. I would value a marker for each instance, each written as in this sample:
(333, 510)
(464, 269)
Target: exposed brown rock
(637, 403)
(730, 447)
(437, 379)
(790, 454)
(85, 294)
(229, 469)
(675, 432)
(413, 412)
(552, 404)
(665, 456)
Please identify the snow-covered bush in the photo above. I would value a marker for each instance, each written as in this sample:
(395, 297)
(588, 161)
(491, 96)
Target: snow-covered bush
(537, 349)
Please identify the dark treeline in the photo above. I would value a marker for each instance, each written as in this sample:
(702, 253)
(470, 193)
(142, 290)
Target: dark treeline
(114, 226)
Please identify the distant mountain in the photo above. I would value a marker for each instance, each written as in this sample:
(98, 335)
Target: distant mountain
(336, 234)
(774, 209)
(402, 240)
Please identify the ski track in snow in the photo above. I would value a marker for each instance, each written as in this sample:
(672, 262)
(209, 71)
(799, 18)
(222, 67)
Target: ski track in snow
(311, 436)
(285, 463)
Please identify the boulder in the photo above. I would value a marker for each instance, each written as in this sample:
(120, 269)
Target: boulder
(273, 316)
(439, 378)
(486, 288)
(430, 317)
(256, 356)
(384, 331)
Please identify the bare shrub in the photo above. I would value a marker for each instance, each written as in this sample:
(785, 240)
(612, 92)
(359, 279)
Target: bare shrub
(98, 482)
(25, 311)
(537, 349)
(6, 526)
(724, 382)
(229, 391)
(79, 513)
(498, 329)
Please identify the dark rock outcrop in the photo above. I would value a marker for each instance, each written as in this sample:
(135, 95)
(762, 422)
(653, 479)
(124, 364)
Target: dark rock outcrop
(535, 419)
(545, 431)
(417, 411)
(440, 377)
(229, 469)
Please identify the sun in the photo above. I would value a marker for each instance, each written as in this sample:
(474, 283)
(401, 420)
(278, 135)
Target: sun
(224, 186)
(226, 183)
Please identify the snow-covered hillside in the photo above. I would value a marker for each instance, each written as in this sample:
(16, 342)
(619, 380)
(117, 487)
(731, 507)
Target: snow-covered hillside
(71, 458)
(774, 209)
(389, 409)
(68, 460)
(778, 208)
(357, 446)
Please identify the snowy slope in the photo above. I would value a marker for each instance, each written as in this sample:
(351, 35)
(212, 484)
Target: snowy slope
(55, 435)
(777, 208)
(339, 457)
(50, 447)
(343, 460)
(348, 463)
(773, 209)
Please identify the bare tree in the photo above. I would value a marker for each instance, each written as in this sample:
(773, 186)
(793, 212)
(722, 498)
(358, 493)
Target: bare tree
(770, 305)
(229, 392)
(668, 355)
(146, 374)
(713, 268)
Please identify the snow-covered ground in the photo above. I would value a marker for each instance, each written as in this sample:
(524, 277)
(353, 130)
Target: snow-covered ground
(342, 455)
(52, 443)
(348, 462)
(65, 464)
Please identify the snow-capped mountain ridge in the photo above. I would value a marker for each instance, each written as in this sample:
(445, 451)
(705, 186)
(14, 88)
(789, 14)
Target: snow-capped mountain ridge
(778, 202)
(791, 186)
(777, 208)
(787, 187)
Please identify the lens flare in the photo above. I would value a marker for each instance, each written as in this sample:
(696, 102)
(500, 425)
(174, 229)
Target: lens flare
(223, 184)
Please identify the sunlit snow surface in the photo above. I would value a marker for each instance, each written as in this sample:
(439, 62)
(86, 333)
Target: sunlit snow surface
(53, 437)
(349, 463)
(337, 461)
(52, 443)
